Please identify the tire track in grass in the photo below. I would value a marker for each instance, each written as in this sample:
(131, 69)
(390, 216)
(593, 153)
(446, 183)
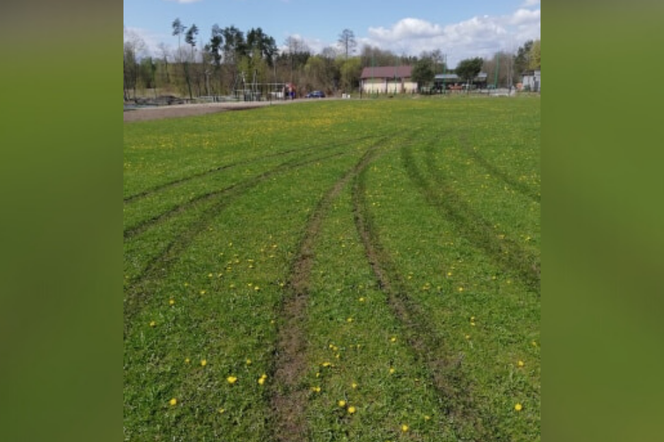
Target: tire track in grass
(428, 345)
(180, 181)
(139, 288)
(289, 396)
(506, 253)
(202, 198)
(520, 187)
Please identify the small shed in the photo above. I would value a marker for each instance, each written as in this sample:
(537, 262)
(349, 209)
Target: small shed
(532, 80)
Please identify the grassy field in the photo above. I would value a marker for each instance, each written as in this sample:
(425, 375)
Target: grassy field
(334, 271)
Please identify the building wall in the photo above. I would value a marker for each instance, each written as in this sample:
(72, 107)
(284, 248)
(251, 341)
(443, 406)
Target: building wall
(387, 86)
(534, 82)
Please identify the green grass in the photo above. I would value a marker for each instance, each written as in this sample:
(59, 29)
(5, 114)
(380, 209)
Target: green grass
(407, 229)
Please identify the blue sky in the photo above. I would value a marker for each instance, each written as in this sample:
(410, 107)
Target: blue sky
(460, 29)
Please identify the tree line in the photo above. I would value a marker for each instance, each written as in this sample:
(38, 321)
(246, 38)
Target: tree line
(230, 61)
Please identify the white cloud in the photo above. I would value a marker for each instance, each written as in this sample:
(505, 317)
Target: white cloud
(527, 3)
(150, 42)
(480, 36)
(525, 17)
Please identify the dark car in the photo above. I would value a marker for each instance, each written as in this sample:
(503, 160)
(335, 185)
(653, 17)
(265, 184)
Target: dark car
(316, 94)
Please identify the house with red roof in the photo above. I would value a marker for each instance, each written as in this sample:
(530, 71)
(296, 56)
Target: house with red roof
(387, 80)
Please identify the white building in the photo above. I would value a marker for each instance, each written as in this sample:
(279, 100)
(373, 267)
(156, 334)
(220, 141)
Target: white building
(532, 81)
(387, 80)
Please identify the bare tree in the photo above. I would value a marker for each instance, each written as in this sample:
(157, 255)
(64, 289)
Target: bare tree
(347, 42)
(164, 52)
(134, 48)
(296, 46)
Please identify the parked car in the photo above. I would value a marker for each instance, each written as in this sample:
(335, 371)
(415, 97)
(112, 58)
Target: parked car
(316, 94)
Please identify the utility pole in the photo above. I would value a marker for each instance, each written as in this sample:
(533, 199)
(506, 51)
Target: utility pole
(444, 72)
(373, 63)
(495, 80)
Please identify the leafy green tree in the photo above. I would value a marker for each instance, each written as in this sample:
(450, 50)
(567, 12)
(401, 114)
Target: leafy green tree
(317, 75)
(265, 45)
(469, 68)
(500, 69)
(423, 72)
(190, 39)
(534, 55)
(351, 70)
(522, 59)
(214, 51)
(148, 70)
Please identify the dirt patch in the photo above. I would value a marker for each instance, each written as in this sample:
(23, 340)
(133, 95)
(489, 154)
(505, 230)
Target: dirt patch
(189, 110)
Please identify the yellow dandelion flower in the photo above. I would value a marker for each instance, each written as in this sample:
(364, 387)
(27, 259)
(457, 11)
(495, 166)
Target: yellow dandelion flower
(261, 381)
(392, 370)
(327, 364)
(315, 389)
(202, 292)
(472, 324)
(354, 385)
(426, 417)
(248, 361)
(209, 275)
(460, 289)
(231, 379)
(349, 320)
(467, 336)
(361, 299)
(404, 428)
(173, 402)
(342, 403)
(171, 301)
(518, 407)
(203, 362)
(393, 339)
(520, 364)
(351, 410)
(152, 323)
(221, 411)
(187, 360)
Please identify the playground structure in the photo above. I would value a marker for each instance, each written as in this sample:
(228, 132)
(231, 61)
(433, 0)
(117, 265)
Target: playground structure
(255, 91)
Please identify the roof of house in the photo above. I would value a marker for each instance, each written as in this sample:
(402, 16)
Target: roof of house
(387, 72)
(480, 76)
